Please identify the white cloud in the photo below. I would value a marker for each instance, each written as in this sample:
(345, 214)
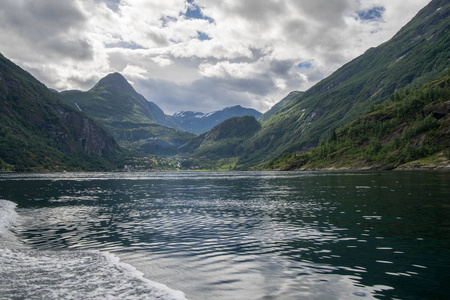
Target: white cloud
(226, 69)
(162, 61)
(131, 71)
(197, 55)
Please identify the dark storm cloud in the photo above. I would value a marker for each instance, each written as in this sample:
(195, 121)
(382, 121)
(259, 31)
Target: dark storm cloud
(37, 18)
(45, 25)
(326, 12)
(281, 67)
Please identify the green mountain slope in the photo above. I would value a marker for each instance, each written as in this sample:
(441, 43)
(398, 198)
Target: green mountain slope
(40, 132)
(223, 141)
(112, 100)
(419, 52)
(280, 105)
(412, 130)
(133, 121)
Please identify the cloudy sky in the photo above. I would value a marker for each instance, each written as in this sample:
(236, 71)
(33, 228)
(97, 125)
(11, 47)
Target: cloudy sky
(200, 55)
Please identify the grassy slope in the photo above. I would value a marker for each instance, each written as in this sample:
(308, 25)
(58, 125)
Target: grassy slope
(413, 129)
(418, 53)
(280, 105)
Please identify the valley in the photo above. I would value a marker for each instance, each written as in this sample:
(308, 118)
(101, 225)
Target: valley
(385, 109)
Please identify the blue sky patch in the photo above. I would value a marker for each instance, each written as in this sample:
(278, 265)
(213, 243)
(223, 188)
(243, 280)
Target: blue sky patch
(373, 14)
(203, 36)
(305, 65)
(194, 12)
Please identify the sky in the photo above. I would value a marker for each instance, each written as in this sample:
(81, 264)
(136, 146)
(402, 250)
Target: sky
(198, 55)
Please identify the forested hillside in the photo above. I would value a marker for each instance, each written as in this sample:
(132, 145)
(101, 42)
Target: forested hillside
(411, 130)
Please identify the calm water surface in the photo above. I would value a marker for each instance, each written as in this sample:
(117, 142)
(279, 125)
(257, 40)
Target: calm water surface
(231, 235)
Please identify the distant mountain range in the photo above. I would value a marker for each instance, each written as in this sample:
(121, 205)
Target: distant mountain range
(139, 124)
(198, 122)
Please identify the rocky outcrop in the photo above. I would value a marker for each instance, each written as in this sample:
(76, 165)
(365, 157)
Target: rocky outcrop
(84, 133)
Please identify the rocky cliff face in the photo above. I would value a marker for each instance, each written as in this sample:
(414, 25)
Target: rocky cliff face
(84, 134)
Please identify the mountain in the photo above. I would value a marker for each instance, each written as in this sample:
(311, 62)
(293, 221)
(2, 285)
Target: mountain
(133, 121)
(277, 107)
(113, 99)
(224, 140)
(40, 132)
(411, 130)
(417, 54)
(197, 122)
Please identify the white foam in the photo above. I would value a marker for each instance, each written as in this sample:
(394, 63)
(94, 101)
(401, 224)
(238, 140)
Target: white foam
(32, 274)
(8, 215)
(35, 274)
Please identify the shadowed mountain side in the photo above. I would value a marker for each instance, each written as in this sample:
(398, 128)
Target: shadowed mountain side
(224, 140)
(40, 132)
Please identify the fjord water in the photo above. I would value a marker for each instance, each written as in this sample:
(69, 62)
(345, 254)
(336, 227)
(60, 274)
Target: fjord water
(230, 235)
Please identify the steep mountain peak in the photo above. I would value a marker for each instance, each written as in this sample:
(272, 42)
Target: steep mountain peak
(114, 81)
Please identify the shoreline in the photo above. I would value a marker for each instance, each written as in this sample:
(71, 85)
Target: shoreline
(371, 168)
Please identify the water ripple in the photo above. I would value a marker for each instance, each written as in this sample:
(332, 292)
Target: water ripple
(259, 235)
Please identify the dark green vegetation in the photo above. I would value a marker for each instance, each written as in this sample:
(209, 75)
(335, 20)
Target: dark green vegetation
(412, 130)
(39, 132)
(133, 121)
(417, 54)
(196, 122)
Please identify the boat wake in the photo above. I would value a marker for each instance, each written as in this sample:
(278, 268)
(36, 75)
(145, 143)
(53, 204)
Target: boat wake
(27, 273)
